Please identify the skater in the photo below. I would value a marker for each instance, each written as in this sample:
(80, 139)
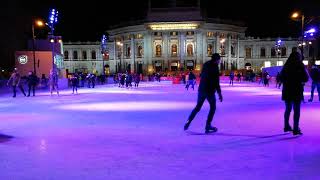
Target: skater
(15, 81)
(32, 80)
(191, 80)
(75, 82)
(293, 75)
(53, 81)
(239, 76)
(231, 76)
(209, 84)
(315, 76)
(278, 81)
(136, 80)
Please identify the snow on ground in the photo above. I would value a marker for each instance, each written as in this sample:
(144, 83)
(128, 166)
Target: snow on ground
(114, 133)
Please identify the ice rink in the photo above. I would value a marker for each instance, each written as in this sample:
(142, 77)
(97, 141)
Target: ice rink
(112, 133)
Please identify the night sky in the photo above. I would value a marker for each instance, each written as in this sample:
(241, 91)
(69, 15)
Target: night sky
(80, 21)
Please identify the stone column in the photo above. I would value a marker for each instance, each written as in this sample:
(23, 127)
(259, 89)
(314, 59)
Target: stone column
(133, 54)
(238, 52)
(217, 42)
(182, 48)
(229, 52)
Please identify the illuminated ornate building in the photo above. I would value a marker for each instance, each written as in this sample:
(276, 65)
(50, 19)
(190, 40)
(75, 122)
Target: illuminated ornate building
(176, 38)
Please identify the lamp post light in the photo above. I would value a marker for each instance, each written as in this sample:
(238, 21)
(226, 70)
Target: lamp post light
(103, 50)
(53, 19)
(38, 23)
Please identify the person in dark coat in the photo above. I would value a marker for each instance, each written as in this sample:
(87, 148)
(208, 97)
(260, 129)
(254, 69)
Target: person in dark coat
(75, 82)
(191, 80)
(14, 80)
(293, 76)
(209, 84)
(32, 80)
(315, 76)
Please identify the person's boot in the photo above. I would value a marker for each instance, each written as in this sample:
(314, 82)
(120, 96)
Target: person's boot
(186, 126)
(287, 128)
(297, 132)
(211, 129)
(310, 100)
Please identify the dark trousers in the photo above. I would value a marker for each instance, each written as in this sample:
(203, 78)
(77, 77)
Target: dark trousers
(33, 87)
(313, 87)
(74, 87)
(296, 113)
(201, 98)
(15, 90)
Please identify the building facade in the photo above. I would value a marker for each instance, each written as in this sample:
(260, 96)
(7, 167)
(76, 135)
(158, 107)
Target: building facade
(175, 39)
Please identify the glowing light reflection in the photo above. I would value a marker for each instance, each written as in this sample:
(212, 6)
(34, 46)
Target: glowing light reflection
(130, 106)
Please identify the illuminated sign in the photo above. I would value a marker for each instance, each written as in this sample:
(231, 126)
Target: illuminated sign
(23, 59)
(173, 26)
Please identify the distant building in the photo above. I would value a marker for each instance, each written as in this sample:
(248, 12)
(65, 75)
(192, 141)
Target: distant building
(176, 38)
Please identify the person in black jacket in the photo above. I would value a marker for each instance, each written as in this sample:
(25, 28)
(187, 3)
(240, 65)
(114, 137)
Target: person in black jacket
(191, 80)
(32, 80)
(209, 84)
(293, 76)
(315, 76)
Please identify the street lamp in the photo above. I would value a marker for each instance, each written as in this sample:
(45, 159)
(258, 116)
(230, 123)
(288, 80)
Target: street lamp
(103, 50)
(53, 19)
(38, 23)
(298, 15)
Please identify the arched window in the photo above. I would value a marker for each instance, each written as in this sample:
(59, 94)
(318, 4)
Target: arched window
(84, 54)
(140, 51)
(283, 52)
(128, 53)
(66, 54)
(93, 54)
(263, 52)
(190, 50)
(233, 53)
(174, 50)
(248, 52)
(273, 52)
(209, 50)
(158, 50)
(75, 55)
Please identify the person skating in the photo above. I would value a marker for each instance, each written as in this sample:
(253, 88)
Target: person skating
(14, 80)
(75, 82)
(53, 80)
(32, 80)
(209, 84)
(191, 80)
(315, 76)
(293, 76)
(231, 76)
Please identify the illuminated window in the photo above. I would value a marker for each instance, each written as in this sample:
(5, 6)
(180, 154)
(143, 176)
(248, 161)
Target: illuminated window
(174, 50)
(248, 52)
(267, 64)
(66, 54)
(139, 53)
(190, 50)
(190, 33)
(279, 63)
(75, 55)
(158, 51)
(317, 63)
(210, 34)
(209, 50)
(93, 54)
(263, 52)
(174, 33)
(139, 36)
(84, 55)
